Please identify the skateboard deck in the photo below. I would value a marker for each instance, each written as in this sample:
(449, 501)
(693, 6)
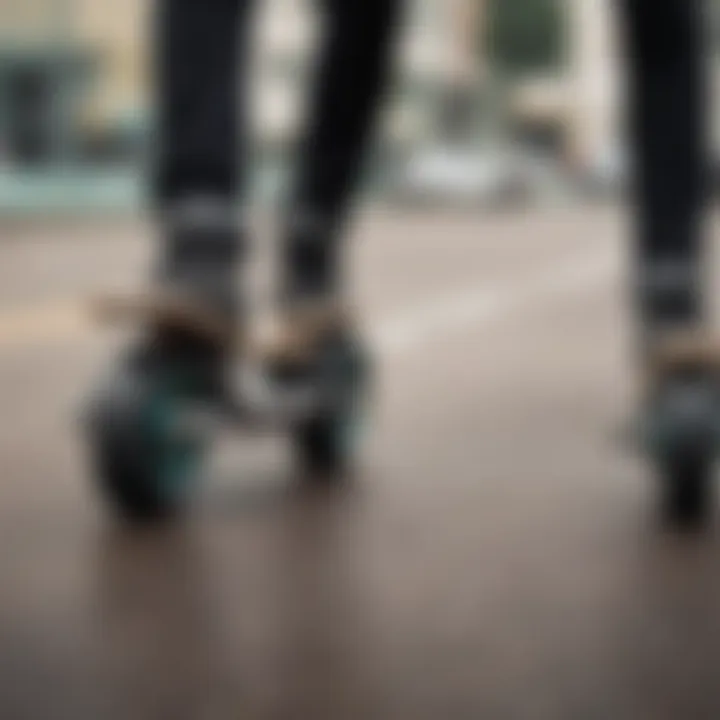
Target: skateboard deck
(291, 336)
(691, 349)
(162, 309)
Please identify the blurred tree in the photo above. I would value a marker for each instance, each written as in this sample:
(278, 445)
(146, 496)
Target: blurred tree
(525, 36)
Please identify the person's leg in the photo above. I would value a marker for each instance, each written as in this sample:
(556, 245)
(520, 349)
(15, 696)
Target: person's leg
(678, 380)
(353, 69)
(666, 102)
(199, 58)
(198, 49)
(189, 315)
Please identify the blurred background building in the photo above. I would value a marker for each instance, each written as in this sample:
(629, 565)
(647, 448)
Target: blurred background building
(491, 95)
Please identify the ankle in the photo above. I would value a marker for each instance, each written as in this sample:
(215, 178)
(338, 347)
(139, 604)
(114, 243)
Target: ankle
(201, 236)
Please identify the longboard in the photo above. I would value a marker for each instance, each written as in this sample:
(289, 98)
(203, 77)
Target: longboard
(289, 337)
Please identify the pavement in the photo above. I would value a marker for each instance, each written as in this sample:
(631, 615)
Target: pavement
(497, 556)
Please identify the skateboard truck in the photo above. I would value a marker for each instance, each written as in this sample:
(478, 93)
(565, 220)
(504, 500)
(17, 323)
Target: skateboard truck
(306, 373)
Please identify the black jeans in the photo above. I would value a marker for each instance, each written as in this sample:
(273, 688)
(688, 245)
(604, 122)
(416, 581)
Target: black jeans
(201, 51)
(666, 118)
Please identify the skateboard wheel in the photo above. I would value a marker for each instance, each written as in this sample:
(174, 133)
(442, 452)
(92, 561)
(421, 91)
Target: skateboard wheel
(683, 433)
(687, 491)
(327, 444)
(144, 468)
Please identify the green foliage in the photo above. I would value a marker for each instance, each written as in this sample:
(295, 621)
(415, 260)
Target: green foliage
(526, 35)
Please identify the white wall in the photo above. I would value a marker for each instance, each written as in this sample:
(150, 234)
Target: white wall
(594, 79)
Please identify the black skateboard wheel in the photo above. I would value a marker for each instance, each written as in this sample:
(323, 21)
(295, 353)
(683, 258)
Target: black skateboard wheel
(686, 491)
(327, 443)
(683, 434)
(145, 467)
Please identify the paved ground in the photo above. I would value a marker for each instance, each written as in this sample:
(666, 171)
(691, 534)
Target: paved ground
(497, 557)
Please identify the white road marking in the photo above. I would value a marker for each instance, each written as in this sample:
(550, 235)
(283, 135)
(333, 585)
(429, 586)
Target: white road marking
(481, 306)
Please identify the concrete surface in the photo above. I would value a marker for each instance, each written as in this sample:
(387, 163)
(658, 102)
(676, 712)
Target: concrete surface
(497, 556)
